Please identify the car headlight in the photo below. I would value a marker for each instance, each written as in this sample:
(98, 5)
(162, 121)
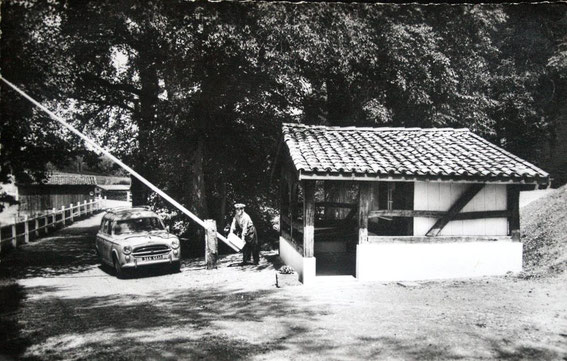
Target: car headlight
(175, 244)
(127, 249)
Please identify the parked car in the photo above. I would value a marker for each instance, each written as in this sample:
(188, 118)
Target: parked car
(129, 238)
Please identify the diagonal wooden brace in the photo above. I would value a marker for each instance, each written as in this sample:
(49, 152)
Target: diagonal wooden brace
(455, 209)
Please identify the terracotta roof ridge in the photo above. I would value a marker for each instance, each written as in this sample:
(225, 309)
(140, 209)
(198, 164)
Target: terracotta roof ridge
(355, 128)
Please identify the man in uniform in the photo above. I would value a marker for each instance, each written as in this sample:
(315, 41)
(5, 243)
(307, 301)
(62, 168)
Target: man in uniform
(242, 225)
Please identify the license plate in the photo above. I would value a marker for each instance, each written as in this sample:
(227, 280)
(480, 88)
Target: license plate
(152, 258)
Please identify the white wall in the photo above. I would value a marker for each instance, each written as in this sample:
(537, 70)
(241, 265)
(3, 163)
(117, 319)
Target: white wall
(422, 261)
(305, 267)
(437, 196)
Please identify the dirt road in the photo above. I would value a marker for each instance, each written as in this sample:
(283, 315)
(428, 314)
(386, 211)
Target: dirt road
(57, 303)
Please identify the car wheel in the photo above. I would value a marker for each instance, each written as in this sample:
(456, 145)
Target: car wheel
(117, 269)
(176, 267)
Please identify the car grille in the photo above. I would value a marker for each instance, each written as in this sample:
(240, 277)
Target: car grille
(150, 250)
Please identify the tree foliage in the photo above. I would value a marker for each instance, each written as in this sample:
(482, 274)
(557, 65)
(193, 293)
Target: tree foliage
(193, 94)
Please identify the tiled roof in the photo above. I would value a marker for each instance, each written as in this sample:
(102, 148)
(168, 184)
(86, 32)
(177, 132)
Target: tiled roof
(70, 179)
(114, 187)
(436, 153)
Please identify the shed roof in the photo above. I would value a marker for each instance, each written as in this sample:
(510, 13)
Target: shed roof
(114, 187)
(403, 153)
(70, 179)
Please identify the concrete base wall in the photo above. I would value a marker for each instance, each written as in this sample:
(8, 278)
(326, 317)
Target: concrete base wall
(397, 261)
(304, 266)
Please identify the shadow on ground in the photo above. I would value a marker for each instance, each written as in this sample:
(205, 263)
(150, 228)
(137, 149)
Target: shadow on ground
(67, 251)
(190, 324)
(12, 343)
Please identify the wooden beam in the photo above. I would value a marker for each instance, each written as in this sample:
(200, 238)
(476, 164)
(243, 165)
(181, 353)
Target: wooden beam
(292, 203)
(513, 200)
(405, 213)
(308, 218)
(437, 214)
(364, 201)
(459, 204)
(439, 239)
(335, 204)
(481, 215)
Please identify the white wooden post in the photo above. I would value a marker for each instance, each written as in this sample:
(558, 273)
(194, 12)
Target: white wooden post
(36, 226)
(90, 206)
(46, 230)
(63, 213)
(71, 212)
(14, 236)
(54, 218)
(211, 245)
(26, 229)
(105, 201)
(86, 207)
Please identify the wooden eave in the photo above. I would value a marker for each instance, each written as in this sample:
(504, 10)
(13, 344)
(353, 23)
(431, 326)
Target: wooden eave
(353, 176)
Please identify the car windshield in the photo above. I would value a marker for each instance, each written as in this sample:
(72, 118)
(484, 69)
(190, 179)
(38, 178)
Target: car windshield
(134, 225)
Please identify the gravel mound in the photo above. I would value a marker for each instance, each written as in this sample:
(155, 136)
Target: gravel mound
(544, 234)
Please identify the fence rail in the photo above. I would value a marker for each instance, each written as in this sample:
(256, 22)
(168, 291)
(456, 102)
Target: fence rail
(23, 229)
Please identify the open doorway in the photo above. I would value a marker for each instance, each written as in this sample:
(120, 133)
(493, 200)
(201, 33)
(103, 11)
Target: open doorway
(336, 231)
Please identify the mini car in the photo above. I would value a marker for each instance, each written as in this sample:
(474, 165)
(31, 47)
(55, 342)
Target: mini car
(130, 238)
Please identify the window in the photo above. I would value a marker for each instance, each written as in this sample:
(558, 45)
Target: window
(104, 226)
(392, 196)
(135, 225)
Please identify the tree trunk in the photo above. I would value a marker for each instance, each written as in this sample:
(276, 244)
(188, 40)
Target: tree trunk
(197, 191)
(222, 205)
(145, 162)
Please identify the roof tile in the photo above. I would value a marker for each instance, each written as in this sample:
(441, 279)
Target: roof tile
(430, 152)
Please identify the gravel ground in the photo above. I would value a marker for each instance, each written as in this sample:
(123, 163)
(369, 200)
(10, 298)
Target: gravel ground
(58, 303)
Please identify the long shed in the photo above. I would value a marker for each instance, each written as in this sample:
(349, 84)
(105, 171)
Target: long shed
(400, 203)
(57, 190)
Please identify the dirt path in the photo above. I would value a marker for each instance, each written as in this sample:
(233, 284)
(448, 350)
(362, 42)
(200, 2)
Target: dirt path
(60, 304)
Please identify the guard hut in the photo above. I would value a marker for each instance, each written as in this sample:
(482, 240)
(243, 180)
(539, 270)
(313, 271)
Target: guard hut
(395, 204)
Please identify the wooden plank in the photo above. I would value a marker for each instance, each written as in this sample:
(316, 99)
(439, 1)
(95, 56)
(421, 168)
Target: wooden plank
(308, 218)
(455, 208)
(364, 201)
(438, 239)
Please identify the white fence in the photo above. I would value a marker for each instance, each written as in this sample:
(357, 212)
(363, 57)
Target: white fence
(42, 224)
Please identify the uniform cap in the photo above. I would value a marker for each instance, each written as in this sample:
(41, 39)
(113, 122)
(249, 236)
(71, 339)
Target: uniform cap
(239, 206)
